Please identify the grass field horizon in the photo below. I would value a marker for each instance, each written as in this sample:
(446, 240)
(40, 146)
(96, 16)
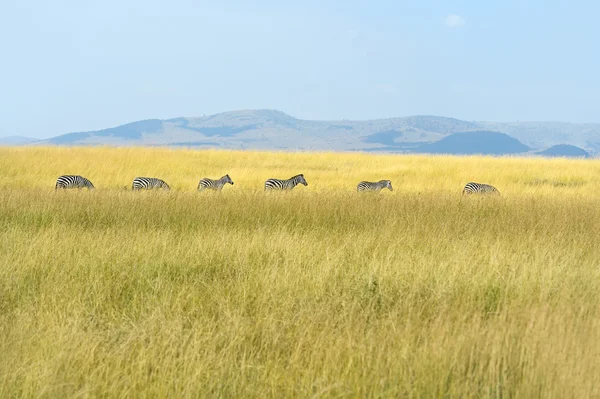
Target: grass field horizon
(319, 292)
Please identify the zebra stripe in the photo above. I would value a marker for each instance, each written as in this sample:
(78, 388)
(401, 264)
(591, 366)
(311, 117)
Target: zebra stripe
(478, 188)
(148, 183)
(374, 186)
(276, 184)
(73, 181)
(210, 184)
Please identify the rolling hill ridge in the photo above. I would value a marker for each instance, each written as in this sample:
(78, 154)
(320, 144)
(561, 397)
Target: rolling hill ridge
(275, 130)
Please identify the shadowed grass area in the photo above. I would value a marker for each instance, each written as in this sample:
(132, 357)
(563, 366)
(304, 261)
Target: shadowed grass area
(317, 292)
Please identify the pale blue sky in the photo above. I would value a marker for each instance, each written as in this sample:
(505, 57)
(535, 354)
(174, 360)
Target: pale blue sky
(78, 65)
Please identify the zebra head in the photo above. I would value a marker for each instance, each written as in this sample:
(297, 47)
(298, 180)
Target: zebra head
(301, 179)
(165, 186)
(386, 183)
(227, 179)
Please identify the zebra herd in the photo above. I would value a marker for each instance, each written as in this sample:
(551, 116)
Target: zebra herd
(148, 183)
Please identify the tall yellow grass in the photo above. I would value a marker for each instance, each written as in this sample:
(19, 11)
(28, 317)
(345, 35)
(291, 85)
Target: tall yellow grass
(319, 292)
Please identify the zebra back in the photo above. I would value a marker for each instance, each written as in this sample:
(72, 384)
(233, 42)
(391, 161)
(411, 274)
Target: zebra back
(210, 184)
(278, 184)
(374, 186)
(148, 183)
(73, 181)
(479, 188)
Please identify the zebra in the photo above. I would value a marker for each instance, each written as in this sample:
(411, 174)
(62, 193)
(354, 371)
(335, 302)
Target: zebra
(478, 188)
(147, 183)
(276, 184)
(210, 184)
(73, 181)
(374, 186)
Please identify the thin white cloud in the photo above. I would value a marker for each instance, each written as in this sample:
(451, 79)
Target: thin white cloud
(454, 21)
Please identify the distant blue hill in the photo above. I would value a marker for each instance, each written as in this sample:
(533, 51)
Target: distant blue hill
(471, 143)
(564, 150)
(387, 137)
(275, 130)
(17, 140)
(130, 131)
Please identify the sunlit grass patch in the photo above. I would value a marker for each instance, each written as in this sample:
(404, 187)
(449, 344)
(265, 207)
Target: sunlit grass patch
(316, 292)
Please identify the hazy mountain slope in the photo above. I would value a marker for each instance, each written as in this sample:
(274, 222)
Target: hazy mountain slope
(17, 140)
(270, 129)
(564, 150)
(546, 134)
(483, 142)
(130, 132)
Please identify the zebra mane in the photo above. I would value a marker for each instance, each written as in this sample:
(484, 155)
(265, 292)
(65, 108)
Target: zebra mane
(293, 177)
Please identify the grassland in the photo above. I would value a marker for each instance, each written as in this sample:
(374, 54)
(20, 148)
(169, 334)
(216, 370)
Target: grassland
(320, 292)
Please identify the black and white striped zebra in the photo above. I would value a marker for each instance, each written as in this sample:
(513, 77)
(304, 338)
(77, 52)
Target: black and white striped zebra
(478, 188)
(73, 181)
(210, 184)
(374, 186)
(276, 184)
(148, 183)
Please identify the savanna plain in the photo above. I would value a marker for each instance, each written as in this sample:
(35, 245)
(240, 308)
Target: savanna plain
(318, 292)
